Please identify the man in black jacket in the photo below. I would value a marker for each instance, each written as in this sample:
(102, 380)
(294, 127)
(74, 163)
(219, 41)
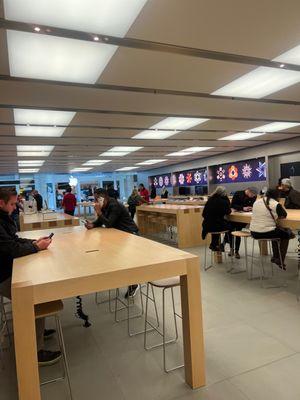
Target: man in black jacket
(39, 200)
(242, 200)
(113, 214)
(11, 246)
(292, 200)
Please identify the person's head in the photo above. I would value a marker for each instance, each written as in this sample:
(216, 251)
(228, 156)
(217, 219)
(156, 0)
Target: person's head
(286, 184)
(69, 189)
(134, 192)
(110, 186)
(8, 200)
(272, 194)
(279, 181)
(251, 192)
(141, 186)
(219, 191)
(101, 196)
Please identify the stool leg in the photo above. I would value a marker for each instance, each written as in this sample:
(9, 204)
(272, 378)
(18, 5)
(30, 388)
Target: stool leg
(246, 255)
(174, 314)
(205, 246)
(251, 273)
(64, 355)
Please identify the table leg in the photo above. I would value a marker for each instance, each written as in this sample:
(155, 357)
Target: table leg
(25, 343)
(192, 325)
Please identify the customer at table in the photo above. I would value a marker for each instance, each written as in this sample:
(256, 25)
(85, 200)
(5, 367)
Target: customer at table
(153, 192)
(242, 200)
(113, 214)
(214, 212)
(164, 193)
(11, 247)
(144, 192)
(292, 200)
(39, 200)
(69, 202)
(133, 201)
(266, 211)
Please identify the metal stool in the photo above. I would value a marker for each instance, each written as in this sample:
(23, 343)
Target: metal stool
(163, 284)
(4, 330)
(109, 300)
(263, 256)
(52, 309)
(221, 237)
(245, 235)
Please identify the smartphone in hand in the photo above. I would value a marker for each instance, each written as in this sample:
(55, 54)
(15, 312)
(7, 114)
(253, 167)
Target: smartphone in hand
(51, 235)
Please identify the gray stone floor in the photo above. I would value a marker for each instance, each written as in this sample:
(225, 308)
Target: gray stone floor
(251, 341)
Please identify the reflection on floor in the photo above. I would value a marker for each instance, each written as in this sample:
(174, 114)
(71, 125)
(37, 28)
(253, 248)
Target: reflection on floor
(251, 341)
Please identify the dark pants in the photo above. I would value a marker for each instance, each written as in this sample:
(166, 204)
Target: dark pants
(132, 210)
(70, 212)
(276, 233)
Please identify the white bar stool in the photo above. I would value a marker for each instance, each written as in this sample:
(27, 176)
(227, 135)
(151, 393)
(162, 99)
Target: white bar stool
(221, 238)
(245, 235)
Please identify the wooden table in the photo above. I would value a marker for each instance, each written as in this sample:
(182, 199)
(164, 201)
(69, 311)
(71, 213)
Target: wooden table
(291, 221)
(100, 259)
(188, 220)
(196, 202)
(33, 222)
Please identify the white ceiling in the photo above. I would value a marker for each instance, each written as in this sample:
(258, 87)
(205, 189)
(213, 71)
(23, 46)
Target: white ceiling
(258, 28)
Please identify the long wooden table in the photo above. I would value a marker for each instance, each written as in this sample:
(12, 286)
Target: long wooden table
(291, 221)
(100, 259)
(31, 222)
(188, 220)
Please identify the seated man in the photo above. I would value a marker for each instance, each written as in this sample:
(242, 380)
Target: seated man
(242, 200)
(292, 196)
(113, 214)
(11, 246)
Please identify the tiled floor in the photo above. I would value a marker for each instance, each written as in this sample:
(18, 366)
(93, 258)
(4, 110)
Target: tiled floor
(251, 341)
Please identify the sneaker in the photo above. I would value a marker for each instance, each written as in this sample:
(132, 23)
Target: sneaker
(132, 291)
(237, 255)
(46, 357)
(48, 333)
(230, 253)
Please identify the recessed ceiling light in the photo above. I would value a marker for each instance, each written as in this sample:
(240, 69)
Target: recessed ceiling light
(28, 170)
(41, 117)
(188, 151)
(118, 151)
(150, 162)
(80, 169)
(126, 168)
(37, 29)
(33, 151)
(96, 38)
(282, 65)
(30, 163)
(96, 162)
(261, 130)
(178, 124)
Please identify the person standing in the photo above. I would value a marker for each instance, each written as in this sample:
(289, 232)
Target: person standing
(242, 200)
(153, 192)
(214, 212)
(265, 214)
(39, 200)
(69, 202)
(164, 193)
(133, 201)
(292, 200)
(11, 247)
(144, 193)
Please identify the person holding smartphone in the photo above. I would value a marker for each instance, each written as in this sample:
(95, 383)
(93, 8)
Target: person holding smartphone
(11, 247)
(113, 214)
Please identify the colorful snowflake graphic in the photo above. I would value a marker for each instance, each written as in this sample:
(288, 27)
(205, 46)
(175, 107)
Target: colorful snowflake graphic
(155, 182)
(221, 174)
(262, 170)
(167, 180)
(181, 179)
(161, 181)
(247, 171)
(173, 179)
(205, 176)
(233, 172)
(189, 178)
(197, 177)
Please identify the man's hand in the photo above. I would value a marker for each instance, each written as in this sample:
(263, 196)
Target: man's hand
(247, 209)
(89, 225)
(43, 243)
(98, 208)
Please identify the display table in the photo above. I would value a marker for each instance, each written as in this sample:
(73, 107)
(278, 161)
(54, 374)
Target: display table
(291, 221)
(187, 219)
(100, 259)
(33, 222)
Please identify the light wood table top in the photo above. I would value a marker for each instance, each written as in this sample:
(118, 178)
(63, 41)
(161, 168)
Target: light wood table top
(166, 207)
(195, 202)
(81, 261)
(39, 217)
(291, 221)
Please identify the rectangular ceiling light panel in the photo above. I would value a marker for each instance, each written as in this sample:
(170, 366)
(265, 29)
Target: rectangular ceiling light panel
(34, 55)
(41, 117)
(80, 169)
(30, 163)
(177, 124)
(127, 168)
(188, 151)
(28, 170)
(33, 151)
(150, 162)
(119, 151)
(96, 162)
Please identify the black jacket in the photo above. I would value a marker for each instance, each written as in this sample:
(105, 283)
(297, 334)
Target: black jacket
(11, 246)
(240, 200)
(113, 193)
(213, 214)
(292, 200)
(39, 201)
(115, 215)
